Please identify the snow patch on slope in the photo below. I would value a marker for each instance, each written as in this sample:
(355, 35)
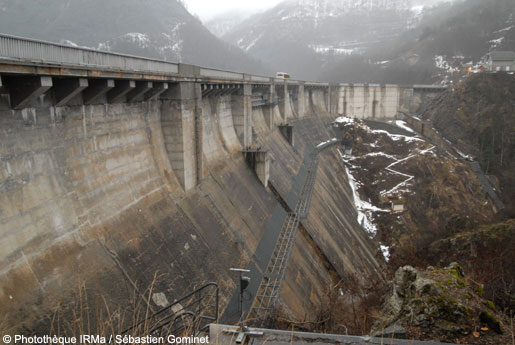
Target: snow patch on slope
(403, 183)
(136, 37)
(441, 63)
(344, 119)
(365, 209)
(495, 43)
(328, 49)
(404, 125)
(327, 142)
(394, 137)
(386, 252)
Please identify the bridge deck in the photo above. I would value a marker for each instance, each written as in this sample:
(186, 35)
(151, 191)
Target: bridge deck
(36, 57)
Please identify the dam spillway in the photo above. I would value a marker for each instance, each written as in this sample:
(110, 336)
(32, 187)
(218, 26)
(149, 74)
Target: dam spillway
(111, 176)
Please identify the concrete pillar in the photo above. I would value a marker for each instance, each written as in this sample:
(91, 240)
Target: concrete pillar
(301, 105)
(242, 115)
(336, 104)
(259, 161)
(181, 121)
(406, 100)
(287, 132)
(65, 89)
(328, 99)
(285, 109)
(271, 100)
(286, 102)
(263, 167)
(24, 90)
(198, 132)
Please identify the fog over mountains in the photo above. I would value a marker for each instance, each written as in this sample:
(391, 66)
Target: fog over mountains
(382, 41)
(379, 40)
(161, 29)
(296, 35)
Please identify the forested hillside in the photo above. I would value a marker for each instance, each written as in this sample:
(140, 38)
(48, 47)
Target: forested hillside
(478, 116)
(446, 37)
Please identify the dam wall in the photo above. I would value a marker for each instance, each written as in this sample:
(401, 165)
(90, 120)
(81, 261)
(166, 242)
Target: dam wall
(380, 102)
(91, 196)
(163, 175)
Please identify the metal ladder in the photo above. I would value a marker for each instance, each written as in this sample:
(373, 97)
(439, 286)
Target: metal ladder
(270, 287)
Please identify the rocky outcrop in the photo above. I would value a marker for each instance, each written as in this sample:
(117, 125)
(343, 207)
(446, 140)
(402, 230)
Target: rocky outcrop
(437, 304)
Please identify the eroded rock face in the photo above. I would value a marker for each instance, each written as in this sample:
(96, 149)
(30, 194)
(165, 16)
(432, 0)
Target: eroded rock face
(437, 302)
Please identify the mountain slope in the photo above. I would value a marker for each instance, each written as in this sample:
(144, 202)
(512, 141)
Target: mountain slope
(159, 29)
(447, 37)
(479, 118)
(297, 35)
(225, 22)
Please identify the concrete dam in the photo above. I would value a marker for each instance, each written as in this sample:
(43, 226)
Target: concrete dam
(118, 171)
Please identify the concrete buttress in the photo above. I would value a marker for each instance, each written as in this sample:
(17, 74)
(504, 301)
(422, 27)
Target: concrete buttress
(269, 114)
(286, 110)
(301, 102)
(182, 124)
(242, 115)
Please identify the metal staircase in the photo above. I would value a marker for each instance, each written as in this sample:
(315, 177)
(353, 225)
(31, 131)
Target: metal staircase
(270, 287)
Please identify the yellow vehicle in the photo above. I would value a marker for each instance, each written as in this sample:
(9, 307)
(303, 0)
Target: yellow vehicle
(282, 75)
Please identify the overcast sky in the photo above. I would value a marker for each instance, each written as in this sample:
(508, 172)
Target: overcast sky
(207, 9)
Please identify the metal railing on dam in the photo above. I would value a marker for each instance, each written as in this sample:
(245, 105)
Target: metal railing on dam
(26, 49)
(19, 50)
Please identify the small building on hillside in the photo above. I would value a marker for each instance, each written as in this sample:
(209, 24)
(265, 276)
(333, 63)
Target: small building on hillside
(398, 205)
(500, 61)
